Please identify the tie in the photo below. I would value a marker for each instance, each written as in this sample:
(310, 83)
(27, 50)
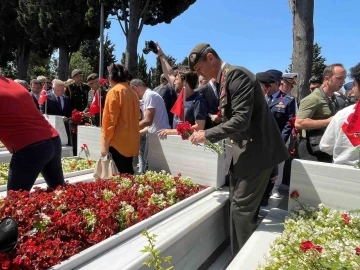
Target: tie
(59, 102)
(269, 99)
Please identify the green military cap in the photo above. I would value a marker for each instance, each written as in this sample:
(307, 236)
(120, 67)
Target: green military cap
(92, 76)
(75, 72)
(196, 54)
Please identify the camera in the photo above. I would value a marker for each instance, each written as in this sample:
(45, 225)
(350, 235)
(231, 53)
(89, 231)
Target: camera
(150, 46)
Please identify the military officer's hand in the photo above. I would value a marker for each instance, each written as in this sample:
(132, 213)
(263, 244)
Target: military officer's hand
(198, 137)
(160, 51)
(216, 118)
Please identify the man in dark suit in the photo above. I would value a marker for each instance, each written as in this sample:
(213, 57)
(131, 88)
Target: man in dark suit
(57, 103)
(209, 92)
(35, 86)
(257, 145)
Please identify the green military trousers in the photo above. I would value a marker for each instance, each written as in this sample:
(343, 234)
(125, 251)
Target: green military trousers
(245, 197)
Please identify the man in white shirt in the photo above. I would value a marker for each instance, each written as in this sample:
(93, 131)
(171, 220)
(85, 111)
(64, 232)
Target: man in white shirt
(155, 116)
(334, 141)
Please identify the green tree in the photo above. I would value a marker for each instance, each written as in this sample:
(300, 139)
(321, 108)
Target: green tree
(89, 49)
(78, 61)
(155, 72)
(61, 24)
(133, 15)
(318, 64)
(184, 62)
(142, 70)
(38, 65)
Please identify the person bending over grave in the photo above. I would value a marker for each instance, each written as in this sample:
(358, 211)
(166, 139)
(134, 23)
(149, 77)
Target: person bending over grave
(35, 145)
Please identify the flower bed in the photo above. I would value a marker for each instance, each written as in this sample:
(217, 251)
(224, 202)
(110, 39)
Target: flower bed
(69, 165)
(316, 239)
(55, 225)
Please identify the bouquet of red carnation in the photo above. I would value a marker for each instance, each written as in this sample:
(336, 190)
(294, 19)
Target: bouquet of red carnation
(103, 82)
(77, 117)
(185, 130)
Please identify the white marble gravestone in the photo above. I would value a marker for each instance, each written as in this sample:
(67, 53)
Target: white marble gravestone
(91, 136)
(58, 123)
(175, 155)
(336, 186)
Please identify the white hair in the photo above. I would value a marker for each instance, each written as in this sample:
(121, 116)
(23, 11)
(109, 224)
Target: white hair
(57, 82)
(42, 79)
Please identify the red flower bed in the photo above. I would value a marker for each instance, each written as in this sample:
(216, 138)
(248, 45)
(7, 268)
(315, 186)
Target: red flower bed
(55, 225)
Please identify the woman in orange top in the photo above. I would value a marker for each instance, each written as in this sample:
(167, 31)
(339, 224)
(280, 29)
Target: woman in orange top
(120, 127)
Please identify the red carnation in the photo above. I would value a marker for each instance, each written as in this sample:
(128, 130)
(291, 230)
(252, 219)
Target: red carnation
(184, 130)
(294, 195)
(346, 218)
(357, 250)
(305, 246)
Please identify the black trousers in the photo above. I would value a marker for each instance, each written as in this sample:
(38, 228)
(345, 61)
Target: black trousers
(245, 197)
(306, 153)
(123, 164)
(41, 157)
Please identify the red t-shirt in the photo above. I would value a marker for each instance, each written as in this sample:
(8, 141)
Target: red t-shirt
(21, 123)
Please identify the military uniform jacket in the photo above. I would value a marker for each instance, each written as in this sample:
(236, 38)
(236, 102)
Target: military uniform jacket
(78, 95)
(246, 116)
(283, 108)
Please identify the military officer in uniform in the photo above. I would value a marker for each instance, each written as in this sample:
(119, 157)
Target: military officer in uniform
(257, 145)
(283, 108)
(78, 94)
(78, 91)
(93, 82)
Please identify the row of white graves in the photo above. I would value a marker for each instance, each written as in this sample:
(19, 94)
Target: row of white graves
(336, 186)
(189, 231)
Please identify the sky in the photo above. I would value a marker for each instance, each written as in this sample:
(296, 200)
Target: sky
(256, 34)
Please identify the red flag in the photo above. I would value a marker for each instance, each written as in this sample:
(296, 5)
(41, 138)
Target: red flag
(178, 108)
(43, 95)
(351, 126)
(95, 104)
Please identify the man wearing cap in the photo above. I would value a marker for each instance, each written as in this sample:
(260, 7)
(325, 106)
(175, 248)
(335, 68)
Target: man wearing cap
(93, 82)
(78, 91)
(283, 108)
(257, 145)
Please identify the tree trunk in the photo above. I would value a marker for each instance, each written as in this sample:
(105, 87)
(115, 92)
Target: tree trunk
(303, 40)
(64, 59)
(133, 37)
(23, 54)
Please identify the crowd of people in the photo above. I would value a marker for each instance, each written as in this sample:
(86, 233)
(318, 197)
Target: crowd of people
(267, 126)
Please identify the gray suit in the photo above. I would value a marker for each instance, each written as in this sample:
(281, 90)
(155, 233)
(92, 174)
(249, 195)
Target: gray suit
(247, 120)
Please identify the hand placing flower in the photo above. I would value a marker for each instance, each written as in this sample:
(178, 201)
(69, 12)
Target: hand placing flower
(198, 137)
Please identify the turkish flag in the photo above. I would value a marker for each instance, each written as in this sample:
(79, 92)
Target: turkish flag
(43, 95)
(95, 104)
(351, 126)
(178, 108)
